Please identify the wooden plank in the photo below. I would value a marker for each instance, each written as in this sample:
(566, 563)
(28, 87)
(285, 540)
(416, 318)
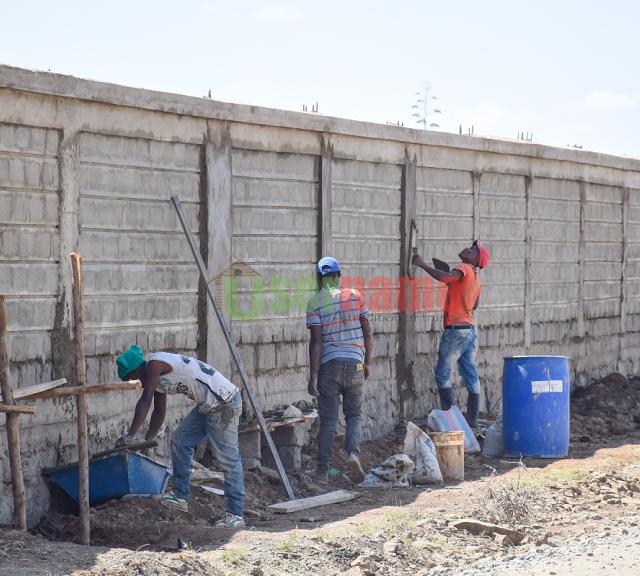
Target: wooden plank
(13, 436)
(312, 502)
(84, 390)
(28, 391)
(81, 400)
(13, 409)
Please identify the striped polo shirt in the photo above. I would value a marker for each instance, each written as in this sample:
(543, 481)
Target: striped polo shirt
(338, 312)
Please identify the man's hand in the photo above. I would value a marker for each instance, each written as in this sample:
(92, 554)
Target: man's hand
(417, 260)
(312, 387)
(367, 371)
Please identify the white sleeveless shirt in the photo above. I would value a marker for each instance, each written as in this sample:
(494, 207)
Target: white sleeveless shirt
(195, 379)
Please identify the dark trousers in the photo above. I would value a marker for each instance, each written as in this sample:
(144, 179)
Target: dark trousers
(342, 376)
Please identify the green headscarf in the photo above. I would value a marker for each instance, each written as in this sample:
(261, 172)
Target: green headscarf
(129, 361)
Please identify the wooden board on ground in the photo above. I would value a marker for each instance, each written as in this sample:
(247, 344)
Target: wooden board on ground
(36, 389)
(312, 502)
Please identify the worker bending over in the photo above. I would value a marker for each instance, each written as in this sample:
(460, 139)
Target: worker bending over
(216, 415)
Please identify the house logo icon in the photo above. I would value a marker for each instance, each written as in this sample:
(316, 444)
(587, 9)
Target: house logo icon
(238, 272)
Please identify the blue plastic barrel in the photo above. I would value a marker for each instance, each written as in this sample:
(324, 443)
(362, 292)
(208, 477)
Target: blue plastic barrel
(535, 406)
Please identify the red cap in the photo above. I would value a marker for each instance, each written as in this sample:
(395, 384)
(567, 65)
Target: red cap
(483, 260)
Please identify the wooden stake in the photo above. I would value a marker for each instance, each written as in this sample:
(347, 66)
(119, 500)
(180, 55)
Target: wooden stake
(81, 400)
(13, 409)
(13, 437)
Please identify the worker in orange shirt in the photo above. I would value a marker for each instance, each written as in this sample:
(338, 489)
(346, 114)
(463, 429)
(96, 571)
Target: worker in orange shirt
(460, 339)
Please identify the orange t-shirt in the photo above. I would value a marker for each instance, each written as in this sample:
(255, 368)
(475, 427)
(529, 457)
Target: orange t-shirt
(462, 296)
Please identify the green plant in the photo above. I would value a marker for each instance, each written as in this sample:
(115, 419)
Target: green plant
(424, 110)
(234, 556)
(287, 545)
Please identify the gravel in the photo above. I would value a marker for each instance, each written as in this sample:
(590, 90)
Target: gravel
(606, 553)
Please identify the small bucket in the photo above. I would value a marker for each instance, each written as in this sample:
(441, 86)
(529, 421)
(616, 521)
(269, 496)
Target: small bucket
(450, 450)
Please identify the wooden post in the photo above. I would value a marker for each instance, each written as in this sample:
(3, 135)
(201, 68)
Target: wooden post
(81, 400)
(13, 438)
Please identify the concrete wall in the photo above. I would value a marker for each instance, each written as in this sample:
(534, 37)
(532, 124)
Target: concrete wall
(90, 167)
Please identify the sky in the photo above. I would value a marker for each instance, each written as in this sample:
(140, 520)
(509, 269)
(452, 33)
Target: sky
(566, 71)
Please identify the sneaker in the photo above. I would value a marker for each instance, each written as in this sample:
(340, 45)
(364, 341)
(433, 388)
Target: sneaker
(231, 521)
(172, 501)
(356, 473)
(318, 475)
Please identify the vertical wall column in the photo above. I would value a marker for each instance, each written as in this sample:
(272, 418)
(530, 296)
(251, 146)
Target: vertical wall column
(407, 346)
(623, 277)
(216, 241)
(477, 176)
(528, 193)
(325, 245)
(69, 220)
(581, 258)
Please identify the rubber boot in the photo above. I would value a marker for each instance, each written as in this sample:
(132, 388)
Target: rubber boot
(446, 398)
(473, 407)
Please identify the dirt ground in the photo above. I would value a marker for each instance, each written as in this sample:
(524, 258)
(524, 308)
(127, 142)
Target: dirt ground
(562, 510)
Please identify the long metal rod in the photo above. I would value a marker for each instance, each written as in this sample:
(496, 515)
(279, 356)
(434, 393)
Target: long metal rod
(232, 347)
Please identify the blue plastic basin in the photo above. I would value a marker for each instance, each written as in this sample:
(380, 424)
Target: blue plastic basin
(113, 476)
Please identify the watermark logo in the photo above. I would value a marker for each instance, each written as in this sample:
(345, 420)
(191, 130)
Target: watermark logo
(247, 294)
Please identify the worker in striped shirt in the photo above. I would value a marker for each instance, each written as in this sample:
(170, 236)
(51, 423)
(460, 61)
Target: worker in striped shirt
(339, 357)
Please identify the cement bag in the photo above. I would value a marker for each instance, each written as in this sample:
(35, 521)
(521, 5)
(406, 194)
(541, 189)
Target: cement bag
(394, 471)
(419, 446)
(452, 420)
(493, 441)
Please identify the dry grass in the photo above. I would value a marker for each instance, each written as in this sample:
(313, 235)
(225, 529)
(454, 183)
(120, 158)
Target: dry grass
(512, 501)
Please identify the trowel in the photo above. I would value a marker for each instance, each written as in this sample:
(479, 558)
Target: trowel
(413, 248)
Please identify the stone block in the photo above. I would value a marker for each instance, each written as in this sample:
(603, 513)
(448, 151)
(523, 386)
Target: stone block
(250, 444)
(291, 457)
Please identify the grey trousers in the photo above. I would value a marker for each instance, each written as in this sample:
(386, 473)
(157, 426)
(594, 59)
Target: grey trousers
(342, 376)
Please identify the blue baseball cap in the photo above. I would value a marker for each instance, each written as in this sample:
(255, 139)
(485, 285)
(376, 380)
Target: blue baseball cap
(328, 265)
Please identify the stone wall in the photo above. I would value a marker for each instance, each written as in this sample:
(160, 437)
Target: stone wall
(90, 167)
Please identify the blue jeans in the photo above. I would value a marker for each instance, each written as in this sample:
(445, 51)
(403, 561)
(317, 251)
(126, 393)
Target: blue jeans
(222, 429)
(460, 346)
(336, 377)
